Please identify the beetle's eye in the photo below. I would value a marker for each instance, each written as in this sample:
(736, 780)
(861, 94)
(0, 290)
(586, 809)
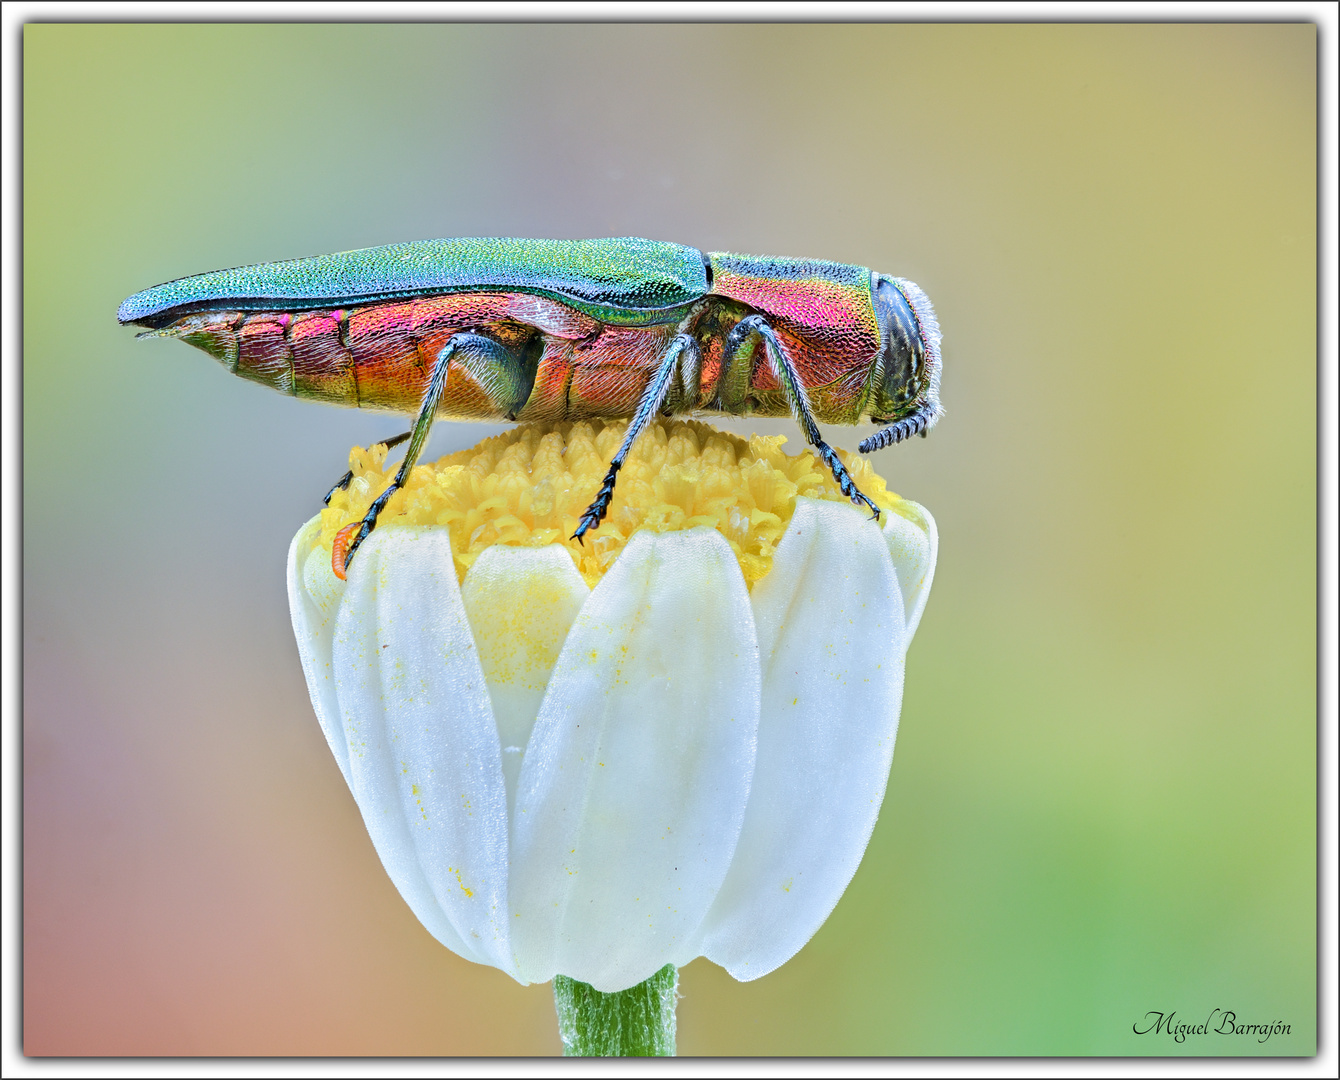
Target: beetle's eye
(899, 376)
(904, 353)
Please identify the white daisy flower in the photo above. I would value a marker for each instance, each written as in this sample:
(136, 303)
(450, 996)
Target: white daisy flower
(597, 761)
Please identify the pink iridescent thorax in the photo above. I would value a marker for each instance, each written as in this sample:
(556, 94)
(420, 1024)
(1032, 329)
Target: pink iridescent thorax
(826, 321)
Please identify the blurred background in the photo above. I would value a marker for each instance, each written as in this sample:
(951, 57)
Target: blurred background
(1103, 797)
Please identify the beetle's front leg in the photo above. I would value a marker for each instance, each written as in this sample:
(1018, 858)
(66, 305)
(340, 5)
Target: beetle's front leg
(682, 359)
(492, 365)
(737, 342)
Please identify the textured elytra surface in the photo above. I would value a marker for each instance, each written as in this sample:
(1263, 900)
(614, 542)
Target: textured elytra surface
(621, 278)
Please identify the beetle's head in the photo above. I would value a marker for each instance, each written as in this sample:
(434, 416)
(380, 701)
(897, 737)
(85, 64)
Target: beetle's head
(906, 376)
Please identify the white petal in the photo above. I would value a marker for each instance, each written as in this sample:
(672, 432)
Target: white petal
(314, 594)
(635, 781)
(913, 542)
(831, 637)
(521, 602)
(424, 761)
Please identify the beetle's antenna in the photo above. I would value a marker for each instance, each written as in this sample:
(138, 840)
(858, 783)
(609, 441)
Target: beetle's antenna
(916, 424)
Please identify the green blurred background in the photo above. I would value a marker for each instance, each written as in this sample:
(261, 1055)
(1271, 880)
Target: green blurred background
(1103, 797)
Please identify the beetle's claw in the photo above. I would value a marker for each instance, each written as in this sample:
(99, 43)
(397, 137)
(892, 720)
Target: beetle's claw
(340, 485)
(590, 520)
(595, 513)
(859, 499)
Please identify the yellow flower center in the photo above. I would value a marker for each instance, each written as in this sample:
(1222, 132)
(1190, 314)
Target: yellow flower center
(529, 486)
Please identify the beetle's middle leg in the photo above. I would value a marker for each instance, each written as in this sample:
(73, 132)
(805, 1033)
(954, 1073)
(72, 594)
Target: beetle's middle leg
(494, 366)
(682, 359)
(737, 347)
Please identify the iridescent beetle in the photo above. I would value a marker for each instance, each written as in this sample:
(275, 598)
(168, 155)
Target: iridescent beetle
(489, 329)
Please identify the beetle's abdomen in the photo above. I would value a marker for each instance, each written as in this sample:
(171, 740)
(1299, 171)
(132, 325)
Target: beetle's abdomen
(611, 374)
(322, 363)
(380, 356)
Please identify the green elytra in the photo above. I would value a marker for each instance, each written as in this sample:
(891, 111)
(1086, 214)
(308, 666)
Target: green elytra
(622, 281)
(625, 282)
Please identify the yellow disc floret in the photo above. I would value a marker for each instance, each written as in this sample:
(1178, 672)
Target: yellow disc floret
(529, 486)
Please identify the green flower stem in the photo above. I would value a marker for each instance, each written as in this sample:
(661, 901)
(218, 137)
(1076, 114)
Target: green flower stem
(637, 1022)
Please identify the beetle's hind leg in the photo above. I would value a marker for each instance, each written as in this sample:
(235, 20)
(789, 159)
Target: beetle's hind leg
(492, 365)
(737, 342)
(682, 358)
(343, 483)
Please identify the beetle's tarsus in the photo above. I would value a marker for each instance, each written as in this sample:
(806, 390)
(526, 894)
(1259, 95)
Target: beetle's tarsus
(340, 485)
(683, 351)
(595, 513)
(343, 483)
(844, 481)
(340, 559)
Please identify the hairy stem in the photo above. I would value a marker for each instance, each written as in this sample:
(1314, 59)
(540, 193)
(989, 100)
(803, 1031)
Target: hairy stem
(637, 1022)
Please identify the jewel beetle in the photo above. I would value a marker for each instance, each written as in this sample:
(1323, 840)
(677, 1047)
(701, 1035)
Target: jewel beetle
(490, 329)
